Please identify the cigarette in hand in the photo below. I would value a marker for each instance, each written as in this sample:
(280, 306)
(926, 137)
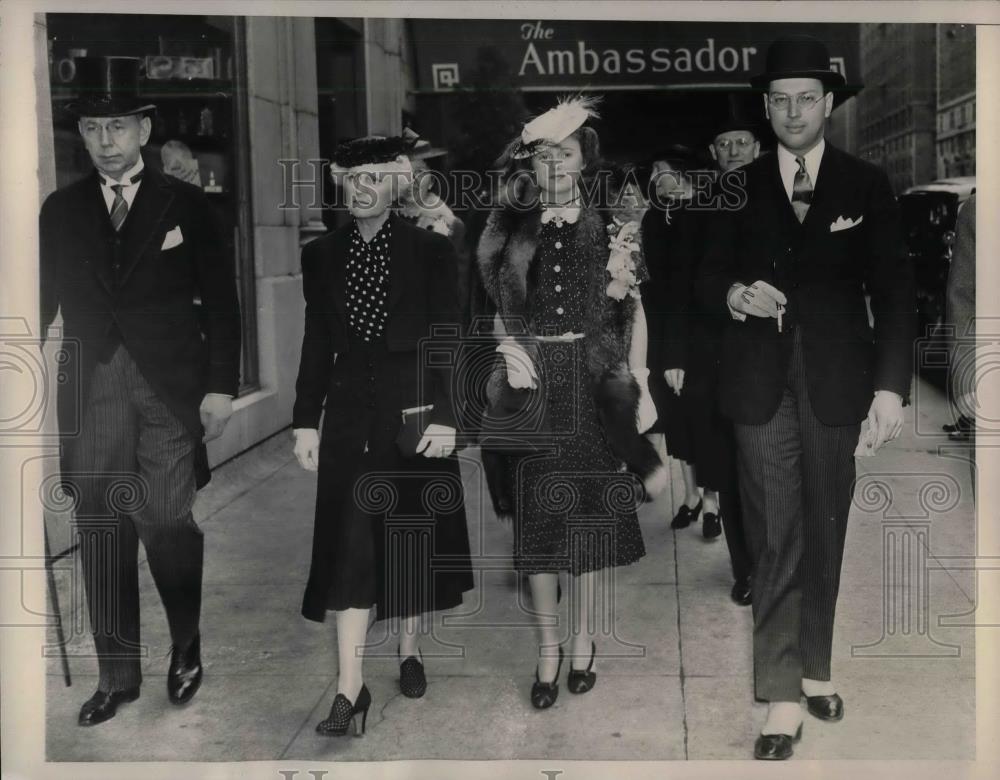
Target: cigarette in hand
(780, 310)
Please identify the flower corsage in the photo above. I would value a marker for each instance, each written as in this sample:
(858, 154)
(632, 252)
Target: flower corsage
(624, 246)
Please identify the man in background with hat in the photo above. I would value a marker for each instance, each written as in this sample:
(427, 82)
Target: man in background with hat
(124, 253)
(802, 368)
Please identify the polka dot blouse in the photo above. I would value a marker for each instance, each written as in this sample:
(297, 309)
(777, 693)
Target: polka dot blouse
(367, 274)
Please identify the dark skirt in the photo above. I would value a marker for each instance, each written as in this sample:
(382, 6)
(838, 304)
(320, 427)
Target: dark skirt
(390, 531)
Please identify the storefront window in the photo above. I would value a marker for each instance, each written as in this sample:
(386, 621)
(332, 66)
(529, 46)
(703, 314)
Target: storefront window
(195, 72)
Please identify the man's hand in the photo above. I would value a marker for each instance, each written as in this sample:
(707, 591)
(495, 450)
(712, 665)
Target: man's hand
(760, 299)
(216, 409)
(438, 441)
(885, 417)
(307, 448)
(675, 379)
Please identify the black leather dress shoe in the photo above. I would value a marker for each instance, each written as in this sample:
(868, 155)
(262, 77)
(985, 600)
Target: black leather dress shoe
(775, 747)
(825, 707)
(103, 706)
(184, 675)
(742, 593)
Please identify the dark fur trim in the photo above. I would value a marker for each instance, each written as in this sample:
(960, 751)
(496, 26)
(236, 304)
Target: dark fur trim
(617, 399)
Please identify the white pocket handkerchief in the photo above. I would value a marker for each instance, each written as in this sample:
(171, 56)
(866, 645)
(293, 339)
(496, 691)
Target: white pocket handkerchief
(844, 224)
(172, 239)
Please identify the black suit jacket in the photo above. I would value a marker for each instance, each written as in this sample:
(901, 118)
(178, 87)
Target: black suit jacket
(824, 275)
(422, 293)
(182, 352)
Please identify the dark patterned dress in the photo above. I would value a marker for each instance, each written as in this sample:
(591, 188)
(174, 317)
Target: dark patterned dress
(577, 504)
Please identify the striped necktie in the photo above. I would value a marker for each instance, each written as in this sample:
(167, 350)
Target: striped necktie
(119, 207)
(802, 190)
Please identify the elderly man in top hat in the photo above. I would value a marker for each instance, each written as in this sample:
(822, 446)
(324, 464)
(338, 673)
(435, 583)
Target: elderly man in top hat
(125, 252)
(802, 369)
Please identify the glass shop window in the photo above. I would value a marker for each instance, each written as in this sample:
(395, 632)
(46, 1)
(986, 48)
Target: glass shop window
(194, 71)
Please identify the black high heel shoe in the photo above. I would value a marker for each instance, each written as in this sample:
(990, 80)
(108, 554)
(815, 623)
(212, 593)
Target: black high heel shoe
(412, 681)
(343, 712)
(581, 681)
(711, 526)
(686, 515)
(543, 694)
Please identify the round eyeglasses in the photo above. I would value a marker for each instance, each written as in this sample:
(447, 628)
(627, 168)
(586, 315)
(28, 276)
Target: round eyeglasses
(804, 100)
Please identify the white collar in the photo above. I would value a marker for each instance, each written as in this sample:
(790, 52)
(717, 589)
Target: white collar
(126, 179)
(788, 166)
(568, 213)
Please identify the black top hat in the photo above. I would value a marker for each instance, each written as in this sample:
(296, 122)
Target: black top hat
(733, 122)
(108, 86)
(801, 56)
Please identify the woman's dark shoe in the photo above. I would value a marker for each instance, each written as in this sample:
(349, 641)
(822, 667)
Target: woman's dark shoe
(343, 712)
(775, 747)
(711, 526)
(103, 706)
(581, 681)
(825, 707)
(412, 682)
(543, 694)
(686, 515)
(742, 592)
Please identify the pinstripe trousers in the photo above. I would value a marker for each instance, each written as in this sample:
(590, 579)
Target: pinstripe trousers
(796, 483)
(132, 477)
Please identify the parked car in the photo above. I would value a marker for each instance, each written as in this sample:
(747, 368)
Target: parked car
(929, 212)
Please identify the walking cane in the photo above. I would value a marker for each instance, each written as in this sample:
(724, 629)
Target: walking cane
(54, 596)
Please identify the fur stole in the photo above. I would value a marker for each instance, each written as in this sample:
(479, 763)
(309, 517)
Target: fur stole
(506, 255)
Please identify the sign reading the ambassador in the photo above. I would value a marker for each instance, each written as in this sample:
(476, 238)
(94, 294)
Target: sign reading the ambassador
(553, 54)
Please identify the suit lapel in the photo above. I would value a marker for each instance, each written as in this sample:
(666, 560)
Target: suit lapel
(338, 279)
(148, 209)
(777, 192)
(96, 230)
(400, 259)
(825, 192)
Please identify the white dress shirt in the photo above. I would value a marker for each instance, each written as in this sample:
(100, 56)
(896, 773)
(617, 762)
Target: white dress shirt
(788, 167)
(128, 191)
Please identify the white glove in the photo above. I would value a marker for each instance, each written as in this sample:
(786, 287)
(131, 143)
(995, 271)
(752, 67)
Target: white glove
(307, 448)
(520, 370)
(675, 379)
(438, 441)
(646, 414)
(760, 299)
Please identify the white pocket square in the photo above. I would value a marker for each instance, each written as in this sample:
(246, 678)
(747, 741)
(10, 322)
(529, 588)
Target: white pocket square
(844, 224)
(172, 239)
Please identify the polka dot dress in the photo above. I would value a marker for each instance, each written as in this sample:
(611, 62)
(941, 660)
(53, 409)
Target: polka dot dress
(367, 274)
(576, 504)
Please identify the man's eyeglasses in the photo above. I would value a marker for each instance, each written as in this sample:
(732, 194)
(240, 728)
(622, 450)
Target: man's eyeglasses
(734, 143)
(779, 101)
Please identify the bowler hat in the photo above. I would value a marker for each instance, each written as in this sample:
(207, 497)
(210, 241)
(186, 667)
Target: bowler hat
(108, 86)
(801, 56)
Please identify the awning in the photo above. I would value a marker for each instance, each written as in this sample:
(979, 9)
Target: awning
(557, 55)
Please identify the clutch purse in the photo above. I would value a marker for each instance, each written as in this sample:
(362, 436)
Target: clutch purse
(415, 422)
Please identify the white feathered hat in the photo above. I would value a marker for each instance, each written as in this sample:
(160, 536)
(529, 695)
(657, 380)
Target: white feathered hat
(556, 124)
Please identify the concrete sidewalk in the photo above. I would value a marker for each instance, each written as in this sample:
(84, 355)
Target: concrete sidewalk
(674, 680)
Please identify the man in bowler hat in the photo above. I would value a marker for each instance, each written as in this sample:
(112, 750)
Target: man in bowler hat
(802, 368)
(125, 253)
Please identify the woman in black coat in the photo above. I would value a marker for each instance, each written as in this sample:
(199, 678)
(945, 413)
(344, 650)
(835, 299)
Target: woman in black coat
(681, 357)
(390, 528)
